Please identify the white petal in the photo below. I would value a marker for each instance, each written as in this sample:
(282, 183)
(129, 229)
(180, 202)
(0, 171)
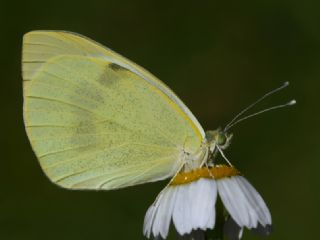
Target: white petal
(151, 214)
(234, 200)
(195, 206)
(148, 219)
(203, 214)
(253, 215)
(164, 213)
(182, 210)
(241, 233)
(256, 202)
(243, 202)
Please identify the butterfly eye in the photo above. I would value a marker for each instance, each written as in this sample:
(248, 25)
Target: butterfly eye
(221, 139)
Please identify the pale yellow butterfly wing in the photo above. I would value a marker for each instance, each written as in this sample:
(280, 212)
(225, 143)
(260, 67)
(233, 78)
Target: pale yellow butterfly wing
(97, 123)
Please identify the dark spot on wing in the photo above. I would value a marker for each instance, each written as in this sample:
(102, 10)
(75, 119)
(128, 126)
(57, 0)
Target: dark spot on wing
(111, 74)
(108, 77)
(115, 67)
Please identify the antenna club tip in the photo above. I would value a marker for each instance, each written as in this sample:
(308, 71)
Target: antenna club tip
(286, 83)
(292, 102)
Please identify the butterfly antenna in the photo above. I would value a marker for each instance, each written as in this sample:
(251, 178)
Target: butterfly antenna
(292, 102)
(231, 123)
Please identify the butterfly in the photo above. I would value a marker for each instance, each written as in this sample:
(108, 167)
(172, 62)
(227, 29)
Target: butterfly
(96, 120)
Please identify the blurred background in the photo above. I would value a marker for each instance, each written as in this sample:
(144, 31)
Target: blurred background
(218, 56)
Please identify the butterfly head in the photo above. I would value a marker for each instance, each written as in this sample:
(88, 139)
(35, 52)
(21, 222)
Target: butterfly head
(218, 138)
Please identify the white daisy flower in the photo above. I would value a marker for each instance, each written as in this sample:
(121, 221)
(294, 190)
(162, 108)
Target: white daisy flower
(189, 206)
(189, 203)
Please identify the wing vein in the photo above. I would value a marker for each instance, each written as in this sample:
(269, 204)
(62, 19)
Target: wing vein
(67, 103)
(88, 155)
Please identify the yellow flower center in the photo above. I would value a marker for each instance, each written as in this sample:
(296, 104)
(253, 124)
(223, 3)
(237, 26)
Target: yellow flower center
(216, 172)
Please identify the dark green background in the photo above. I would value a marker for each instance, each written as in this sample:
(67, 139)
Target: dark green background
(218, 56)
